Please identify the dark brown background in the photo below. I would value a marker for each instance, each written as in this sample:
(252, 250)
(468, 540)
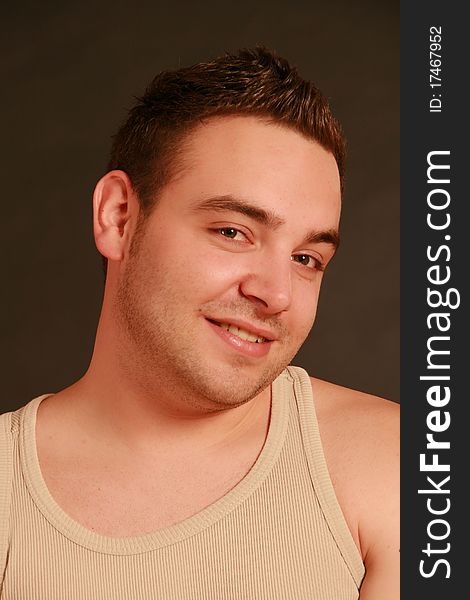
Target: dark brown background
(69, 72)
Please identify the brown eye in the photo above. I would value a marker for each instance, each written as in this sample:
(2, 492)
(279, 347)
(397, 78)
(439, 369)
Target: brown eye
(304, 259)
(228, 232)
(232, 233)
(308, 261)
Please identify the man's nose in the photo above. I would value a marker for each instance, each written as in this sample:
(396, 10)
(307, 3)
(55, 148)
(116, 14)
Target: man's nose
(268, 283)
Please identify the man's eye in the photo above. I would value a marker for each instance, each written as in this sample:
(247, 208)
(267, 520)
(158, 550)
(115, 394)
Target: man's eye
(308, 261)
(231, 233)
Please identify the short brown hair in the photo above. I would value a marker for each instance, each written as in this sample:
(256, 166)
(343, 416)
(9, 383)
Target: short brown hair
(252, 82)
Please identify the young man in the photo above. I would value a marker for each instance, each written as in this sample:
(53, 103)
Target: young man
(190, 461)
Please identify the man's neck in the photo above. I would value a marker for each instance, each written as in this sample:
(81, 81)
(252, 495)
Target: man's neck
(122, 415)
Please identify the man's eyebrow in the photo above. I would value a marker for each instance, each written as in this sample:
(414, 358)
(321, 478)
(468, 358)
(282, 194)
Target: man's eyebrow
(330, 236)
(263, 216)
(224, 203)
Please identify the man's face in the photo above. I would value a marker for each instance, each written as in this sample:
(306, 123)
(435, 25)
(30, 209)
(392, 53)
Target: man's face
(237, 240)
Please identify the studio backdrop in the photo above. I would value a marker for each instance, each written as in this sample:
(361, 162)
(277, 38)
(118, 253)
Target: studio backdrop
(70, 72)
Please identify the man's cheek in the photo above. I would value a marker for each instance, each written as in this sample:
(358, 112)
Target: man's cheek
(309, 313)
(224, 271)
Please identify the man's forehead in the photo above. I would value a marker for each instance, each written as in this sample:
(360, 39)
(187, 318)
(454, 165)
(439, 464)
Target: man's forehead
(253, 141)
(268, 172)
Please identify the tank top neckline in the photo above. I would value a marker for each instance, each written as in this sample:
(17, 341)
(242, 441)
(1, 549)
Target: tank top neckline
(172, 534)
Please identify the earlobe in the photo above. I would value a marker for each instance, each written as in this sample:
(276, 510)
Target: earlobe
(113, 201)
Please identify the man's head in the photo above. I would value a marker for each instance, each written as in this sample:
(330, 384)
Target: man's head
(215, 286)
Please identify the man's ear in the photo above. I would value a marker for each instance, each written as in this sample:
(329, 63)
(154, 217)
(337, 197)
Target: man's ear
(114, 203)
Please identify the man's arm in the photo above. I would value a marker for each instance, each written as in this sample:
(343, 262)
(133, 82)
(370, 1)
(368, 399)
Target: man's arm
(379, 530)
(360, 436)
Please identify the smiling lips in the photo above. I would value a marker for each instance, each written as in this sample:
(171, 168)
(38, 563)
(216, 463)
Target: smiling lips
(241, 333)
(253, 342)
(245, 330)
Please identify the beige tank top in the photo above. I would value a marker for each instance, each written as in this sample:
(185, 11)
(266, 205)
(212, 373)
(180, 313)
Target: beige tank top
(279, 534)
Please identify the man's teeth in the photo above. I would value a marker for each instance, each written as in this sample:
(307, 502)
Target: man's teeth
(241, 333)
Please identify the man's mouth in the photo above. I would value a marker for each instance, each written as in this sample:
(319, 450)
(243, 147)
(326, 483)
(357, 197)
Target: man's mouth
(241, 333)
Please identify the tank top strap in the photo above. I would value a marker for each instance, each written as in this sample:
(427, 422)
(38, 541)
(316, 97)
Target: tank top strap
(6, 477)
(319, 474)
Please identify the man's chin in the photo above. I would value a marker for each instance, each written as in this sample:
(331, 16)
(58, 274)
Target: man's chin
(234, 384)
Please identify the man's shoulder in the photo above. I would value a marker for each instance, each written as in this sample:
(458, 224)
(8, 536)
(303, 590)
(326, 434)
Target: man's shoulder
(360, 436)
(362, 427)
(356, 413)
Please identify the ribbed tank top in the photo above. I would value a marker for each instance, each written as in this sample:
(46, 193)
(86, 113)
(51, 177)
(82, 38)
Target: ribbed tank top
(279, 534)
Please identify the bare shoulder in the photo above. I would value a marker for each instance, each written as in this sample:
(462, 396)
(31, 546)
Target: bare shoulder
(369, 420)
(360, 437)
